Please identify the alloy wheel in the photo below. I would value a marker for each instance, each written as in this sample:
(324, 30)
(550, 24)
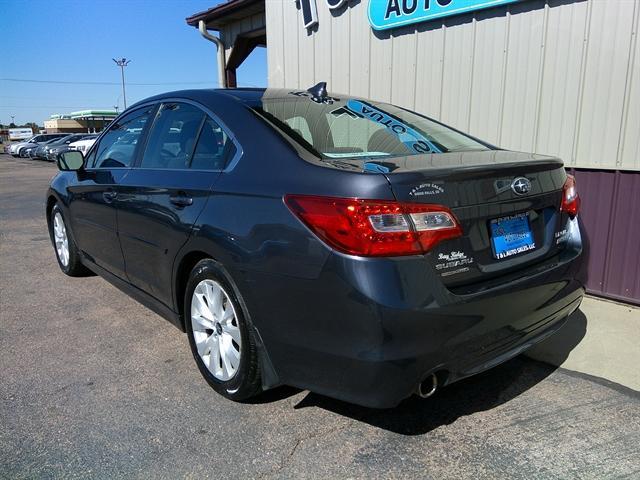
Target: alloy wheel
(215, 329)
(61, 240)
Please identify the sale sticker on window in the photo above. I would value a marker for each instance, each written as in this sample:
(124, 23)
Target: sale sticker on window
(411, 138)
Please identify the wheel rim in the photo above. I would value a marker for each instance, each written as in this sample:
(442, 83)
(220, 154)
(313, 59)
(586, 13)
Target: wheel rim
(216, 331)
(61, 240)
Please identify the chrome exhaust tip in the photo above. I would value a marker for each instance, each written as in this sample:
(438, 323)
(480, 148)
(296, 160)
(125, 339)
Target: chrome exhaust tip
(428, 386)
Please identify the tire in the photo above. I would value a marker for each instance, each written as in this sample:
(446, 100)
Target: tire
(211, 328)
(64, 247)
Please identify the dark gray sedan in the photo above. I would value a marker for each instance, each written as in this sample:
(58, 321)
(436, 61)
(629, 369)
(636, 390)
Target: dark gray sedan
(333, 243)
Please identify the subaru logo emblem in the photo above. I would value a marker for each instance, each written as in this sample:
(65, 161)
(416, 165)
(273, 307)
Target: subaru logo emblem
(521, 186)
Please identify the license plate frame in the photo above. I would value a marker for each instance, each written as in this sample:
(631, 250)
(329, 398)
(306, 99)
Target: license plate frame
(511, 235)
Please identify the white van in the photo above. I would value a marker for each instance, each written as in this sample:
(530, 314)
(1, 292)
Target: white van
(20, 133)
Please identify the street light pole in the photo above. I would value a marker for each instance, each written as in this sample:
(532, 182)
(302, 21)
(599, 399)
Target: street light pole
(122, 62)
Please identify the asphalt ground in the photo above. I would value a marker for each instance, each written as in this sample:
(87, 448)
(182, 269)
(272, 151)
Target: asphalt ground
(93, 385)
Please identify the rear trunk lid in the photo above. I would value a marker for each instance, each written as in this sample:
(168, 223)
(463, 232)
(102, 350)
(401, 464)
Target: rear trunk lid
(506, 226)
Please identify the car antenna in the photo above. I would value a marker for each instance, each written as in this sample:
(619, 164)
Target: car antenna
(318, 92)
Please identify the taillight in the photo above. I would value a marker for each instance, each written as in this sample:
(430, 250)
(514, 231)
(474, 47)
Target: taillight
(570, 197)
(375, 227)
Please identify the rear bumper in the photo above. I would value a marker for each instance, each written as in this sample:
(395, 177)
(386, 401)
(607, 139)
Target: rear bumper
(454, 346)
(367, 331)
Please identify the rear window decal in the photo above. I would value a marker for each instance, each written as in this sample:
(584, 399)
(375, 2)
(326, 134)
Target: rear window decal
(407, 135)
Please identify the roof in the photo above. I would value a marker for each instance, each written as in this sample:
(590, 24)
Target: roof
(94, 113)
(206, 95)
(228, 12)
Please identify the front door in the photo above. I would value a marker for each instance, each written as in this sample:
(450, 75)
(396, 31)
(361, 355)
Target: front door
(161, 199)
(93, 197)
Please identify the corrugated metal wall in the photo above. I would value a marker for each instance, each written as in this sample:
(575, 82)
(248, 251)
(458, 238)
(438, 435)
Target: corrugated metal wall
(610, 213)
(559, 77)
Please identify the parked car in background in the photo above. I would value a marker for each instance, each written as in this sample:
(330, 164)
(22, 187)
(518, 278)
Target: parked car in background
(13, 147)
(346, 246)
(37, 152)
(84, 144)
(16, 148)
(49, 150)
(29, 150)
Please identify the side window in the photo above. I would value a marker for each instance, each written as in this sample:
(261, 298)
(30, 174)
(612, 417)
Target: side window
(173, 136)
(118, 146)
(214, 148)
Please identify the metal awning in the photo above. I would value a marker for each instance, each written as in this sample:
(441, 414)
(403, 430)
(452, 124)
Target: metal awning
(242, 27)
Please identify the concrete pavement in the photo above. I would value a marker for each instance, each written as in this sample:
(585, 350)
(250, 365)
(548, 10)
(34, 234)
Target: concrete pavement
(606, 335)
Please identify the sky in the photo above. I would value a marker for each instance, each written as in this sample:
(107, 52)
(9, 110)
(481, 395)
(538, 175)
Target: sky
(69, 41)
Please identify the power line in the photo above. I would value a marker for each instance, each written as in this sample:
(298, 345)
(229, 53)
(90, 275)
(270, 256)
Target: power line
(10, 97)
(40, 106)
(62, 82)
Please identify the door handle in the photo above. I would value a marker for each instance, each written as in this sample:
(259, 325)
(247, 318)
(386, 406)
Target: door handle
(181, 200)
(109, 196)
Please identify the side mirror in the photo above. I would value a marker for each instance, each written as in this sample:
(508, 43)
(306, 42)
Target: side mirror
(72, 160)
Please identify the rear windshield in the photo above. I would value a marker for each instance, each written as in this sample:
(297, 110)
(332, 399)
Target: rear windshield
(352, 128)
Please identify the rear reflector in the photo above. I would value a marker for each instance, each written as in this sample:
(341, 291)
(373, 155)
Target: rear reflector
(570, 197)
(375, 228)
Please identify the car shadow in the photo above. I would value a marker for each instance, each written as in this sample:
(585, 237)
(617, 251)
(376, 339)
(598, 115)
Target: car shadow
(274, 395)
(416, 416)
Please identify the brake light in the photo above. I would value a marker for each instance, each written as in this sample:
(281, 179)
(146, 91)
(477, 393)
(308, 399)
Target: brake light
(375, 228)
(570, 197)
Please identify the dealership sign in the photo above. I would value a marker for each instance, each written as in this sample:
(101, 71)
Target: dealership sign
(384, 14)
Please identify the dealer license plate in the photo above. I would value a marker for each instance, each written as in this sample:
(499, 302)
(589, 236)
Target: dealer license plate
(511, 235)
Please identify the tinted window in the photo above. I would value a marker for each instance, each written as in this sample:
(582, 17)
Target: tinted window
(118, 146)
(350, 127)
(63, 140)
(214, 148)
(49, 138)
(300, 127)
(173, 136)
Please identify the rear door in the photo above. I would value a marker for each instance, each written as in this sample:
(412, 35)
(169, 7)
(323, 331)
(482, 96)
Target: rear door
(160, 200)
(92, 202)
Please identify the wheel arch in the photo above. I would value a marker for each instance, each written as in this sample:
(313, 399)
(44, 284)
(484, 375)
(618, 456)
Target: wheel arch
(52, 199)
(181, 278)
(185, 265)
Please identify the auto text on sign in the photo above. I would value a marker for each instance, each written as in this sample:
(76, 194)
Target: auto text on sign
(384, 14)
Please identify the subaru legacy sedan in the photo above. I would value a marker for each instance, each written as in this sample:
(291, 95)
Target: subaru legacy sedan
(332, 243)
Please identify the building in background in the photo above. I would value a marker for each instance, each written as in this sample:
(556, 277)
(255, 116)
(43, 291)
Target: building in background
(558, 77)
(90, 121)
